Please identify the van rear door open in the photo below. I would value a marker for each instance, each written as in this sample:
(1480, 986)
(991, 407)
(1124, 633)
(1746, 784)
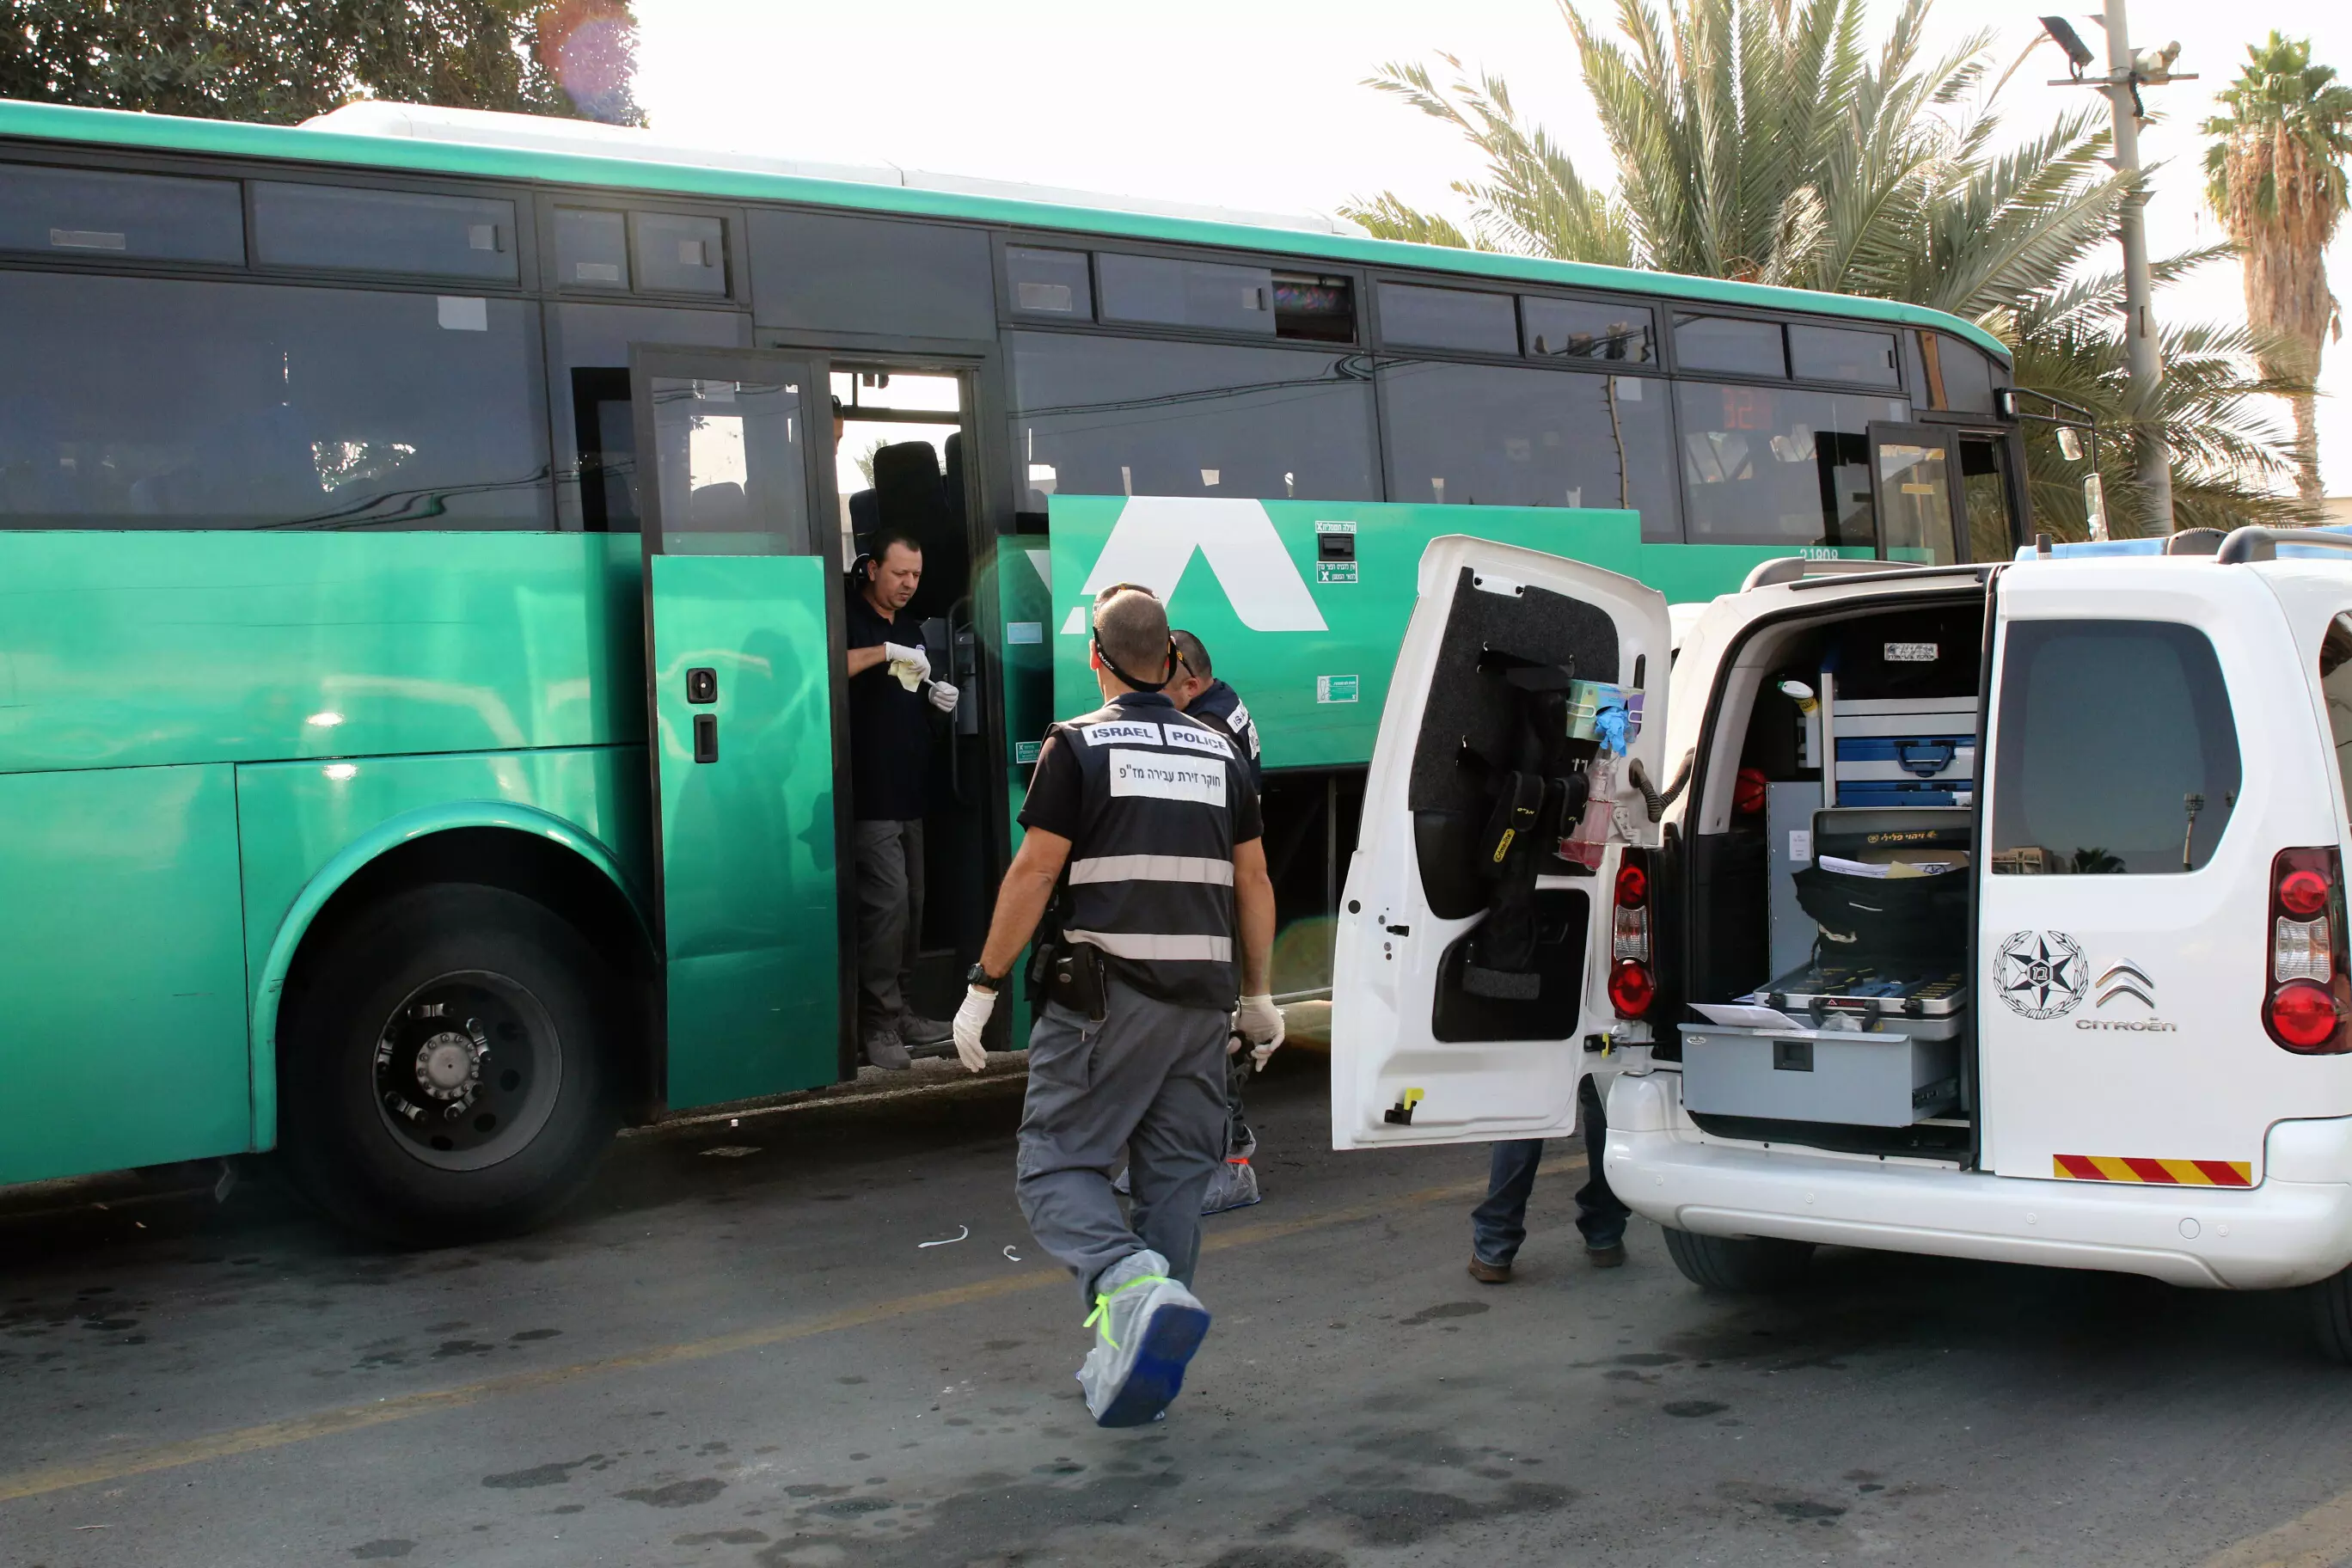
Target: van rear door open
(1423, 1051)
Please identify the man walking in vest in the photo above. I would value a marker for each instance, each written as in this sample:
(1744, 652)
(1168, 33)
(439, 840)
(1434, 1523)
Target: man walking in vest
(1167, 925)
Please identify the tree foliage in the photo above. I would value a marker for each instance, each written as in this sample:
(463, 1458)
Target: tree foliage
(279, 61)
(2274, 174)
(1768, 141)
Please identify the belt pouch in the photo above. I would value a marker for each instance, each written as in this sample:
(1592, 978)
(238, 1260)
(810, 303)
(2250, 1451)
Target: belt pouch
(1078, 980)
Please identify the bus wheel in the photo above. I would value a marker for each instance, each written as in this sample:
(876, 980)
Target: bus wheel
(2331, 1317)
(444, 1071)
(1733, 1265)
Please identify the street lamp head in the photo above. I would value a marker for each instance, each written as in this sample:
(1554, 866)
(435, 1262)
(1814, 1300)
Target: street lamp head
(2061, 33)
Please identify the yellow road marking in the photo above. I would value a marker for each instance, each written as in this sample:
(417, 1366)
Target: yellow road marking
(2319, 1538)
(401, 1407)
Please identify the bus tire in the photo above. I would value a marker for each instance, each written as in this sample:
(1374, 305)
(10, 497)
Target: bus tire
(446, 1070)
(2331, 1317)
(1738, 1265)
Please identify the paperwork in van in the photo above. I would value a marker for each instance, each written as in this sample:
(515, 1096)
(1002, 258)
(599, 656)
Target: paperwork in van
(1891, 869)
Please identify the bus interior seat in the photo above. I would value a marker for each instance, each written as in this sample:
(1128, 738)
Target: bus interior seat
(910, 495)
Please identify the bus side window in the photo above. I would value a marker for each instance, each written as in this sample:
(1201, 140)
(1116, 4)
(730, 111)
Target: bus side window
(607, 443)
(1474, 435)
(1779, 465)
(1106, 416)
(588, 389)
(174, 403)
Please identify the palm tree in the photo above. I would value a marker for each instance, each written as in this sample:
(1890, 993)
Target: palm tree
(2274, 176)
(2227, 458)
(1763, 140)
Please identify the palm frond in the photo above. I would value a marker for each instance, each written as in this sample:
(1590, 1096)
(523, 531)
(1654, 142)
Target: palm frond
(1770, 140)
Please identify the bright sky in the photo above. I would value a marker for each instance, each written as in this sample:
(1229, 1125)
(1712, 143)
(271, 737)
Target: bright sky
(1223, 101)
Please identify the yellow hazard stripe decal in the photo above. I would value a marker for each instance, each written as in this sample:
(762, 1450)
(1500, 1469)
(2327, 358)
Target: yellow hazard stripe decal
(2156, 1173)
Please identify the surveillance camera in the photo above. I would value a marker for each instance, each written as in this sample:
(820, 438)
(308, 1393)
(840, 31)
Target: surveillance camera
(2156, 65)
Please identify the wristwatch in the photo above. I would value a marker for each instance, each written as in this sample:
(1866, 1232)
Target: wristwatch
(978, 974)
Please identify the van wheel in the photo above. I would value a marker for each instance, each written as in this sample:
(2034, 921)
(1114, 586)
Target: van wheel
(444, 1072)
(1734, 1265)
(2331, 1317)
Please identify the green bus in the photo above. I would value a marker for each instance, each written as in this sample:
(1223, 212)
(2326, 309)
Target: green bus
(422, 548)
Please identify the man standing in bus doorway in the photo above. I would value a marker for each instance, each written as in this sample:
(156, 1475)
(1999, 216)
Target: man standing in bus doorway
(891, 699)
(1149, 815)
(1198, 691)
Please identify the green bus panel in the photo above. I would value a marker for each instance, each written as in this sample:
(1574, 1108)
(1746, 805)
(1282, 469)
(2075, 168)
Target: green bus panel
(120, 959)
(750, 929)
(1309, 642)
(296, 819)
(142, 649)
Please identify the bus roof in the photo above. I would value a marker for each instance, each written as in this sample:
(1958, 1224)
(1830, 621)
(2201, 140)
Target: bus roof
(656, 168)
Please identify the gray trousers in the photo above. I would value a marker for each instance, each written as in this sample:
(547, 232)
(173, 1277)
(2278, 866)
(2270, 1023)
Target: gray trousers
(1148, 1083)
(888, 858)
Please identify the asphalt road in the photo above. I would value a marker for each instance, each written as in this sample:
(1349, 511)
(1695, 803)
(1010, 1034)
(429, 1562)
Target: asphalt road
(737, 1351)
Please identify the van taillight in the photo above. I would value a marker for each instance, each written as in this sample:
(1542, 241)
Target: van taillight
(1632, 985)
(2309, 1004)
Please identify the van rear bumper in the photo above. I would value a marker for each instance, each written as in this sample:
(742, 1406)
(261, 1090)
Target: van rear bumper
(2281, 1233)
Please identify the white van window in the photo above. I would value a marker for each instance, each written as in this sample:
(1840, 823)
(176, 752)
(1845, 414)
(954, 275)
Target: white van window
(2117, 751)
(2335, 683)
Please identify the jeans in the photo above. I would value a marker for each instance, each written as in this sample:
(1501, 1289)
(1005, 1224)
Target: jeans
(1498, 1225)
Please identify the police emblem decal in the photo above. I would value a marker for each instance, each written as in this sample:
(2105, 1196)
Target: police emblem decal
(2040, 973)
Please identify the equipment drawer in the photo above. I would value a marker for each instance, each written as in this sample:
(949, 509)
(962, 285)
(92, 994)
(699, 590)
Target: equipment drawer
(1883, 1078)
(1908, 757)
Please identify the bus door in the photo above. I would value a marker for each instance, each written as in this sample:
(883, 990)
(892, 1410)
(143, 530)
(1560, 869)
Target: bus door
(1911, 474)
(745, 742)
(1989, 502)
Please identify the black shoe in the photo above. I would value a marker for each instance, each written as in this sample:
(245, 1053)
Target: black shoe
(1610, 1256)
(915, 1029)
(887, 1052)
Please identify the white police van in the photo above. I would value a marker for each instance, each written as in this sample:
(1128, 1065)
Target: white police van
(2084, 1004)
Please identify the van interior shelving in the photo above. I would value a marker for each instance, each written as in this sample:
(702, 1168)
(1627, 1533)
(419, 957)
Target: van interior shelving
(1769, 781)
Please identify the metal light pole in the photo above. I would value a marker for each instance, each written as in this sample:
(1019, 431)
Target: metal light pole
(2140, 329)
(2127, 74)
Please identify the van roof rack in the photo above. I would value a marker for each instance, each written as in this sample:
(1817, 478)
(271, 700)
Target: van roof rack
(1810, 574)
(2253, 544)
(1979, 570)
(1790, 568)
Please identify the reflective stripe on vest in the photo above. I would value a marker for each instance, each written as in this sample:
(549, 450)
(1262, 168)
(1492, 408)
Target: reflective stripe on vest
(1152, 869)
(1157, 949)
(1150, 879)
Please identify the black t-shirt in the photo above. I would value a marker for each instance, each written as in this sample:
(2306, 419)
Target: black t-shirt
(1057, 793)
(890, 726)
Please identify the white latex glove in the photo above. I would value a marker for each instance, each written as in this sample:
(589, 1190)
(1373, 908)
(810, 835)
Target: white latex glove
(943, 696)
(1260, 1022)
(900, 653)
(970, 1020)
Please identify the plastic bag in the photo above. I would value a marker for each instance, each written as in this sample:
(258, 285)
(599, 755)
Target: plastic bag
(1590, 841)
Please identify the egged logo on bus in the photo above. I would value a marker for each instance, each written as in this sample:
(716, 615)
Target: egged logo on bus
(1153, 542)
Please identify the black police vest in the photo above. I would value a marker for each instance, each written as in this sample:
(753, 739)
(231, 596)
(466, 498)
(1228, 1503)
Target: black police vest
(1151, 877)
